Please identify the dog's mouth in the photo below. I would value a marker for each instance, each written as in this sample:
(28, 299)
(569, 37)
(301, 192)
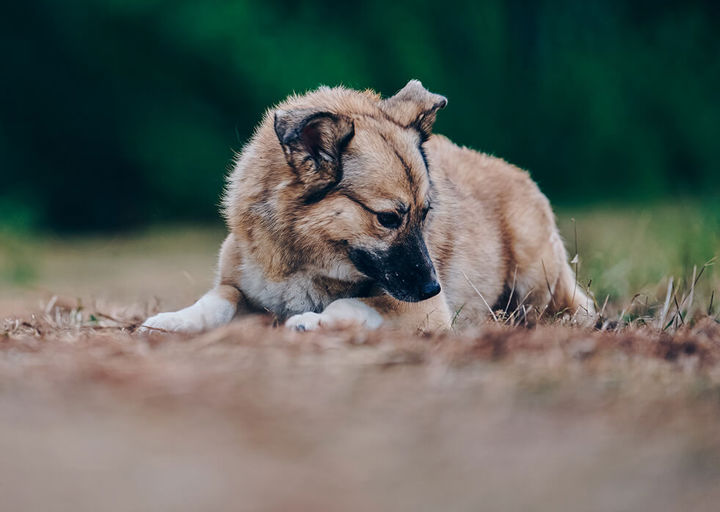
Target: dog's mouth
(405, 270)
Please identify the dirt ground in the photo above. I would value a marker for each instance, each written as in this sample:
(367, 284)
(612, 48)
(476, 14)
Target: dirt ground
(251, 417)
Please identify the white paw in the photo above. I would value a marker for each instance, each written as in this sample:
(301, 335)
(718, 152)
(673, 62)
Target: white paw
(341, 313)
(179, 321)
(304, 322)
(208, 312)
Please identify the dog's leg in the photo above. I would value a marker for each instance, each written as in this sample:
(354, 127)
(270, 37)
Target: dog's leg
(430, 315)
(372, 312)
(217, 307)
(342, 312)
(548, 283)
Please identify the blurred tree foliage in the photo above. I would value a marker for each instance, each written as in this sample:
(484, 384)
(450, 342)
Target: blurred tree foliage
(116, 113)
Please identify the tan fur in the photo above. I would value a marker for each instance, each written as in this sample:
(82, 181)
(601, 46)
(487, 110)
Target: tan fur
(490, 230)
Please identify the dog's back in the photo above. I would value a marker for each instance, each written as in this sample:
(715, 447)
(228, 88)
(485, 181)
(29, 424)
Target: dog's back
(500, 239)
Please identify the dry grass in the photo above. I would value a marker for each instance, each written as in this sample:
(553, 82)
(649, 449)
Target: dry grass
(251, 417)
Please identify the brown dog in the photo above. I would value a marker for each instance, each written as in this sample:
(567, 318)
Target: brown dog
(344, 209)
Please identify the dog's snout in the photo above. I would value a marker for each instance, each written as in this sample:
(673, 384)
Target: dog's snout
(429, 289)
(405, 271)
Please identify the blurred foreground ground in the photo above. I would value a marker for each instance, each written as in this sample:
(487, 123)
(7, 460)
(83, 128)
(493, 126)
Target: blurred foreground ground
(251, 417)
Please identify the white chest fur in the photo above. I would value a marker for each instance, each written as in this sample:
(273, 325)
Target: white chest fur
(298, 293)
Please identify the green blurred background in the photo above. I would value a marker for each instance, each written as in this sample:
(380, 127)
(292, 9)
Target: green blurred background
(119, 114)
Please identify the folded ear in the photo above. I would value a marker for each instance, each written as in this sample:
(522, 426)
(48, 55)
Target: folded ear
(413, 105)
(313, 142)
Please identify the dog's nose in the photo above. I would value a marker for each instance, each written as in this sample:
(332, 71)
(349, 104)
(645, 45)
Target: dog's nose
(429, 289)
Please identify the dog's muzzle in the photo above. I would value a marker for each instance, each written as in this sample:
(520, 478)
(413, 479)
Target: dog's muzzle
(405, 270)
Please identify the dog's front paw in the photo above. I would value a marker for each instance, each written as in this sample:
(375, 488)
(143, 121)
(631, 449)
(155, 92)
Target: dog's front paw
(340, 313)
(210, 311)
(179, 321)
(304, 322)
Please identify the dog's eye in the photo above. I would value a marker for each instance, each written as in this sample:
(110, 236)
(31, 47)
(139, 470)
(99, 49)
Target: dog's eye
(389, 219)
(425, 212)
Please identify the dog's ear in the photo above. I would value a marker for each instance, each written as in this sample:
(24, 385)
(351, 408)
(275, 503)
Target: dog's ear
(313, 142)
(413, 105)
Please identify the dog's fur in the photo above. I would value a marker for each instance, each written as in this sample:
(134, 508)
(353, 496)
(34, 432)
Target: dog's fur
(343, 208)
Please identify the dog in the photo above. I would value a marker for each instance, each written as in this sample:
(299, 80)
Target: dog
(344, 209)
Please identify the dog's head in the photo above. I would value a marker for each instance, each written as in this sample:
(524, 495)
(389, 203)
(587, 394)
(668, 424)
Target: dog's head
(362, 185)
